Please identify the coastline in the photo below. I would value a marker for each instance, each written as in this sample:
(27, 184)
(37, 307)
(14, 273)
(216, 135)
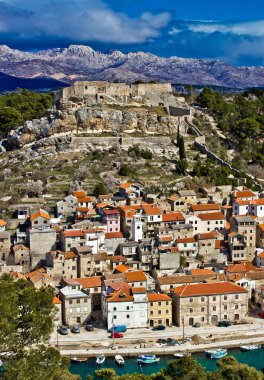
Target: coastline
(164, 350)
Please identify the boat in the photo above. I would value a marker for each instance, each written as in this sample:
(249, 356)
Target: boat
(78, 360)
(119, 360)
(251, 347)
(100, 359)
(218, 355)
(216, 351)
(147, 359)
(181, 354)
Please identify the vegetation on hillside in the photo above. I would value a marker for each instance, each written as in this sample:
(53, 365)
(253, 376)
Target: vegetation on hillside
(17, 107)
(242, 117)
(25, 325)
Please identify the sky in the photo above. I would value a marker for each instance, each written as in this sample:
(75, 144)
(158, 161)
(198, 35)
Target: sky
(231, 30)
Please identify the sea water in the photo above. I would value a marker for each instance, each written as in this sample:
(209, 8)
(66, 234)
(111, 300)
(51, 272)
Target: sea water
(252, 358)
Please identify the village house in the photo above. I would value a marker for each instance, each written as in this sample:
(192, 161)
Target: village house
(76, 303)
(72, 238)
(197, 209)
(39, 278)
(188, 247)
(127, 306)
(260, 235)
(85, 260)
(112, 240)
(209, 303)
(172, 218)
(111, 217)
(67, 206)
(62, 264)
(5, 243)
(58, 310)
(168, 259)
(159, 310)
(245, 225)
(177, 203)
(189, 196)
(92, 286)
(3, 225)
(211, 221)
(260, 260)
(20, 255)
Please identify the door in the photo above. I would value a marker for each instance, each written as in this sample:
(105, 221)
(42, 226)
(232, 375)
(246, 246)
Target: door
(151, 323)
(167, 322)
(214, 319)
(191, 321)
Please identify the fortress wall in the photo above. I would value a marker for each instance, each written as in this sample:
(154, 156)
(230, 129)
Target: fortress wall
(123, 141)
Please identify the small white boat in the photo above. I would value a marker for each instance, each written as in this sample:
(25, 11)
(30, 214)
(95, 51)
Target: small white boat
(216, 351)
(119, 360)
(181, 354)
(251, 347)
(78, 360)
(218, 355)
(147, 359)
(100, 359)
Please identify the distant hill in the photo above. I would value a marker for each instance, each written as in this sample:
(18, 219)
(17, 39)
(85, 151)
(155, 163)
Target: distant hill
(78, 62)
(10, 83)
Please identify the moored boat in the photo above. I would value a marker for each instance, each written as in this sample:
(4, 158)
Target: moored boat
(181, 354)
(100, 359)
(78, 360)
(218, 355)
(147, 359)
(251, 347)
(216, 351)
(119, 360)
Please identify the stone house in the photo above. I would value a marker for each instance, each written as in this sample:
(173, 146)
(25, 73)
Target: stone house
(5, 243)
(76, 303)
(209, 303)
(72, 238)
(67, 206)
(197, 209)
(39, 278)
(62, 264)
(112, 241)
(188, 247)
(136, 278)
(146, 247)
(40, 220)
(177, 203)
(176, 231)
(41, 242)
(58, 310)
(85, 260)
(20, 255)
(245, 225)
(260, 235)
(172, 218)
(159, 310)
(189, 196)
(92, 286)
(130, 250)
(211, 221)
(260, 260)
(168, 258)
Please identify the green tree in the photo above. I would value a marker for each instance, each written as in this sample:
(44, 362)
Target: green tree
(178, 135)
(230, 369)
(181, 167)
(105, 373)
(124, 170)
(181, 148)
(99, 189)
(9, 118)
(186, 368)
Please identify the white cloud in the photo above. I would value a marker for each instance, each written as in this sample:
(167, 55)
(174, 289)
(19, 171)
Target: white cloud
(83, 20)
(250, 28)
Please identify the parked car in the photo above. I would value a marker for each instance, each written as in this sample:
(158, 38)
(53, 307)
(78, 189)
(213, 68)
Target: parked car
(89, 327)
(75, 329)
(63, 330)
(224, 323)
(159, 327)
(261, 315)
(116, 335)
(197, 324)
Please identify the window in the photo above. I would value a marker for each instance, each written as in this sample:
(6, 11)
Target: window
(114, 316)
(167, 302)
(70, 302)
(114, 308)
(151, 313)
(225, 298)
(167, 311)
(159, 303)
(191, 309)
(237, 296)
(236, 306)
(225, 316)
(214, 298)
(191, 300)
(159, 312)
(127, 307)
(128, 316)
(202, 319)
(202, 299)
(225, 307)
(151, 303)
(214, 308)
(78, 309)
(78, 301)
(202, 308)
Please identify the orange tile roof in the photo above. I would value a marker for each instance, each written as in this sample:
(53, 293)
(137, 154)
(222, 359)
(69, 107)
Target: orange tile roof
(172, 216)
(122, 295)
(228, 225)
(84, 199)
(244, 266)
(155, 297)
(135, 276)
(56, 301)
(245, 194)
(192, 290)
(258, 202)
(39, 213)
(151, 209)
(186, 240)
(173, 197)
(118, 258)
(165, 238)
(125, 185)
(122, 268)
(2, 223)
(90, 282)
(79, 193)
(220, 244)
(119, 285)
(197, 272)
(70, 255)
(114, 235)
(261, 255)
(205, 207)
(206, 235)
(138, 290)
(105, 196)
(242, 202)
(102, 205)
(37, 275)
(261, 227)
(73, 233)
(83, 208)
(212, 216)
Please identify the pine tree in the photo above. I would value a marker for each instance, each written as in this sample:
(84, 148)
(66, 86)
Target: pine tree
(181, 148)
(178, 135)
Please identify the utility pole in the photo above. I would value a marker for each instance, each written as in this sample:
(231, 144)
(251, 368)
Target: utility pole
(182, 329)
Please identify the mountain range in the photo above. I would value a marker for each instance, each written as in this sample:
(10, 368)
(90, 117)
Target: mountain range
(62, 66)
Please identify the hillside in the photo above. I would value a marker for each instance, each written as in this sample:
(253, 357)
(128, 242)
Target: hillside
(78, 62)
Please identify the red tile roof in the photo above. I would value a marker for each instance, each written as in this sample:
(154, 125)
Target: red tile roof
(205, 207)
(135, 276)
(186, 240)
(84, 199)
(125, 185)
(192, 290)
(173, 216)
(245, 194)
(197, 272)
(261, 255)
(244, 266)
(70, 255)
(114, 235)
(151, 209)
(207, 235)
(2, 223)
(155, 297)
(212, 216)
(165, 238)
(73, 233)
(138, 290)
(56, 301)
(39, 213)
(79, 193)
(117, 259)
(122, 295)
(90, 282)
